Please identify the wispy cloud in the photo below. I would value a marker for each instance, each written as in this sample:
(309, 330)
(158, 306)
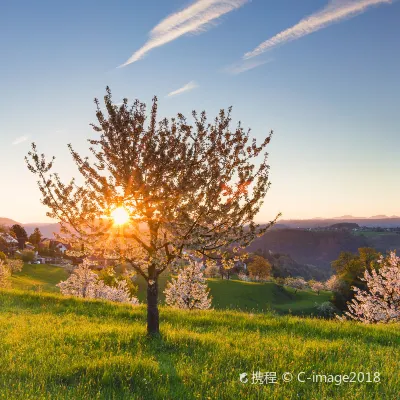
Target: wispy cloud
(189, 86)
(20, 140)
(335, 11)
(196, 18)
(244, 66)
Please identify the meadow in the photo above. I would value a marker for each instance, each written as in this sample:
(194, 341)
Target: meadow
(56, 347)
(227, 294)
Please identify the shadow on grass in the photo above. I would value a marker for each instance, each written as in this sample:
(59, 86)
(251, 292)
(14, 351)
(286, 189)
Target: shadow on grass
(200, 321)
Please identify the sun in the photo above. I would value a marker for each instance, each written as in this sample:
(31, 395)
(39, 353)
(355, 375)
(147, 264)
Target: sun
(120, 216)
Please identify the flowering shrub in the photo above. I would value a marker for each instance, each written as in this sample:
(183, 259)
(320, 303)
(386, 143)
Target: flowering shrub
(381, 301)
(119, 294)
(296, 283)
(5, 274)
(326, 309)
(15, 265)
(244, 277)
(83, 282)
(317, 287)
(212, 271)
(334, 284)
(189, 289)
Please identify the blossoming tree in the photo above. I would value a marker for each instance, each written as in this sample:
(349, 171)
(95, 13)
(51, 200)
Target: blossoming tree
(381, 301)
(83, 282)
(296, 283)
(189, 290)
(334, 283)
(155, 191)
(317, 287)
(7, 267)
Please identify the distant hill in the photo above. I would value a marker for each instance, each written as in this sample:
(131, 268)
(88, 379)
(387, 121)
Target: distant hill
(47, 229)
(8, 222)
(386, 222)
(345, 225)
(318, 249)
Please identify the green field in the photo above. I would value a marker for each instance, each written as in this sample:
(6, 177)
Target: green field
(38, 277)
(54, 347)
(374, 233)
(232, 294)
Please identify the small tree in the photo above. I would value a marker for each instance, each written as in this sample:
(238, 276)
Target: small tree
(179, 189)
(296, 283)
(36, 237)
(20, 234)
(334, 284)
(28, 256)
(2, 256)
(259, 268)
(317, 287)
(83, 282)
(189, 289)
(380, 302)
(212, 271)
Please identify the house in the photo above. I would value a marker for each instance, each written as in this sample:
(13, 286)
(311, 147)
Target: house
(54, 245)
(8, 244)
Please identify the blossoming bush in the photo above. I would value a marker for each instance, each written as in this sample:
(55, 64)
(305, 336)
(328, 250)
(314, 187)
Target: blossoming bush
(83, 282)
(381, 301)
(189, 290)
(5, 274)
(317, 287)
(243, 277)
(296, 283)
(15, 265)
(334, 284)
(212, 271)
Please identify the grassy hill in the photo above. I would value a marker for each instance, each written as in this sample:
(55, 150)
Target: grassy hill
(38, 277)
(54, 347)
(232, 294)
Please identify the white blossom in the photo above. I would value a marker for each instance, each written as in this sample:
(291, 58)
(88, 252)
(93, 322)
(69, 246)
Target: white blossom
(5, 274)
(334, 284)
(189, 290)
(317, 287)
(83, 282)
(296, 283)
(15, 265)
(381, 301)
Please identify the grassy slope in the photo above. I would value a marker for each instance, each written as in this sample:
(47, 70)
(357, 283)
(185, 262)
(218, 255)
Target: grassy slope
(250, 296)
(232, 294)
(62, 348)
(40, 276)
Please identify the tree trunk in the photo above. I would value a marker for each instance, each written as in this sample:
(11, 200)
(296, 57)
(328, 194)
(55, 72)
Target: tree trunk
(153, 320)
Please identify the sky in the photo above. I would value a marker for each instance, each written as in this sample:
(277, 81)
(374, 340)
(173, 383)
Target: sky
(324, 75)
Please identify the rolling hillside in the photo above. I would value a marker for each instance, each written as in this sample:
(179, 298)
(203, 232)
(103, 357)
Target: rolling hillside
(232, 294)
(60, 348)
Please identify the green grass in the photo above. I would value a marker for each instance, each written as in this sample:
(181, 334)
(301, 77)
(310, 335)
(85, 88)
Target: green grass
(227, 294)
(373, 233)
(261, 297)
(54, 347)
(252, 296)
(38, 277)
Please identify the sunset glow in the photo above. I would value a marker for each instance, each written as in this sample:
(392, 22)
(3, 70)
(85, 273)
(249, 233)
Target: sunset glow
(120, 216)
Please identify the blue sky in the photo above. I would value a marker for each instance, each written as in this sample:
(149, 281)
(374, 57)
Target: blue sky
(325, 78)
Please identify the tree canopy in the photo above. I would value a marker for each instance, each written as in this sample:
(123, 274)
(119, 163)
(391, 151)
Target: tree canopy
(186, 189)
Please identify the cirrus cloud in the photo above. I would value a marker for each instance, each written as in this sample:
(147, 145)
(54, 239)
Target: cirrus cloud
(189, 86)
(335, 11)
(196, 18)
(20, 140)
